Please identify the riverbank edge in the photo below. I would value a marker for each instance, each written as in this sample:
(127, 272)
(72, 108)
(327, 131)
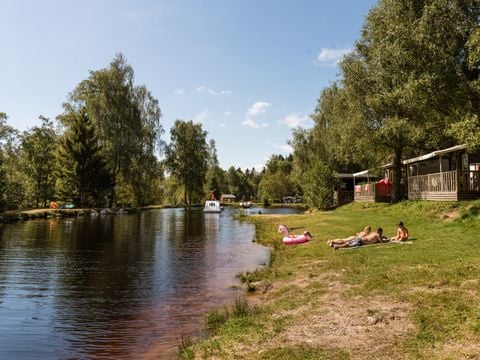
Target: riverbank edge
(13, 216)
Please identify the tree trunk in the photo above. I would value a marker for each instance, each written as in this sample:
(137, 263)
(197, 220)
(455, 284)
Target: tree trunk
(397, 175)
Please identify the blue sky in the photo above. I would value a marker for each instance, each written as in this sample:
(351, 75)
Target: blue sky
(249, 70)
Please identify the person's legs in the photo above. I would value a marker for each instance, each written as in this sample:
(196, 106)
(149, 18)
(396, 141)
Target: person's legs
(355, 242)
(340, 241)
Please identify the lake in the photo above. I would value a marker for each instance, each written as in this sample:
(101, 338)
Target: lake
(123, 286)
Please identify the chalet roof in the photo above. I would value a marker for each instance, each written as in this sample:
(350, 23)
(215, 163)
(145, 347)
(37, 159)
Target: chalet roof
(366, 173)
(361, 173)
(345, 175)
(435, 153)
(229, 196)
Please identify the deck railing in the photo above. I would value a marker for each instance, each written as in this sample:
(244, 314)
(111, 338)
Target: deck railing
(444, 182)
(469, 180)
(365, 189)
(439, 182)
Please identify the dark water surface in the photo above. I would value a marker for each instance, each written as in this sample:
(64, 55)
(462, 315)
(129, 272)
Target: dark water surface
(117, 287)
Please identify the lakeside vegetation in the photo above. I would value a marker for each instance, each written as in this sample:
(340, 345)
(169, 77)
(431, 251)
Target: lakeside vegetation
(417, 300)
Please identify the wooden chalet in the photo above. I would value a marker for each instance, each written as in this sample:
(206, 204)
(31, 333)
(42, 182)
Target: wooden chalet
(369, 188)
(364, 186)
(228, 198)
(444, 175)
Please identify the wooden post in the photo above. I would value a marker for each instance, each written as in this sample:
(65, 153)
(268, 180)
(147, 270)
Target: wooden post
(441, 173)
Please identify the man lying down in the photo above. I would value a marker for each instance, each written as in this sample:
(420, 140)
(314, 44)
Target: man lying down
(369, 239)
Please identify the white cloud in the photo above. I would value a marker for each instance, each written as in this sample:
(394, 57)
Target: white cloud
(227, 113)
(295, 120)
(209, 91)
(259, 107)
(201, 116)
(222, 125)
(330, 57)
(205, 90)
(179, 92)
(250, 123)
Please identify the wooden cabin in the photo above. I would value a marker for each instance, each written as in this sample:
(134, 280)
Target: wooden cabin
(364, 186)
(343, 192)
(228, 198)
(444, 175)
(369, 188)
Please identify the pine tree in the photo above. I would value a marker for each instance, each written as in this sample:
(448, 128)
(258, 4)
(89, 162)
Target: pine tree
(83, 172)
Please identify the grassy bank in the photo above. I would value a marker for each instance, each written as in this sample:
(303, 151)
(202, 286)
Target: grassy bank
(389, 301)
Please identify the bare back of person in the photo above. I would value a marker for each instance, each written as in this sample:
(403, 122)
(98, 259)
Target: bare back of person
(373, 238)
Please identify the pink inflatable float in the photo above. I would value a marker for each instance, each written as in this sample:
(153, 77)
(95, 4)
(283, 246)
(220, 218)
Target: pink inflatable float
(293, 239)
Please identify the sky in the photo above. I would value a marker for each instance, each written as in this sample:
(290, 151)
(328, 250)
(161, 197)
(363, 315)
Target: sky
(250, 71)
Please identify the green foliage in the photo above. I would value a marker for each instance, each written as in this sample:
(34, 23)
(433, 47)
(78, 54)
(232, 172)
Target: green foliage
(244, 185)
(186, 158)
(184, 349)
(127, 122)
(215, 318)
(215, 177)
(82, 170)
(467, 131)
(318, 185)
(276, 181)
(38, 162)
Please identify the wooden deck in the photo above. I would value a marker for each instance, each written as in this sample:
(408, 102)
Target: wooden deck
(445, 186)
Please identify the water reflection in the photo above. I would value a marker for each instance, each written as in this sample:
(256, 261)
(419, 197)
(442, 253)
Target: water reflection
(118, 286)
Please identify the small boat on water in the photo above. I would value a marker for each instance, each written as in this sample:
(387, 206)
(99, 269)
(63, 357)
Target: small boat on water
(212, 206)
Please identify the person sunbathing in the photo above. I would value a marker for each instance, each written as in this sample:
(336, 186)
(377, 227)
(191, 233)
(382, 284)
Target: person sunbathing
(372, 238)
(367, 230)
(402, 233)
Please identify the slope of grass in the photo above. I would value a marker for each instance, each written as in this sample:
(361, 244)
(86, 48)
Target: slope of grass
(417, 300)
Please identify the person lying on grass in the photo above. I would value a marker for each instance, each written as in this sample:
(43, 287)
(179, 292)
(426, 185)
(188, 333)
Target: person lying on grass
(367, 230)
(402, 233)
(372, 238)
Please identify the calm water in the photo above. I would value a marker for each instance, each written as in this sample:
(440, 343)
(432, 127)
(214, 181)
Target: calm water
(124, 286)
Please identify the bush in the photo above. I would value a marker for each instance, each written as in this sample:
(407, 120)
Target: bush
(318, 184)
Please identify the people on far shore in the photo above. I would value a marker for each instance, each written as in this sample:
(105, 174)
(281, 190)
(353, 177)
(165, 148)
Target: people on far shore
(372, 238)
(402, 233)
(367, 230)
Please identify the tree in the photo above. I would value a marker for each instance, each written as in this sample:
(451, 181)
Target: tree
(38, 159)
(127, 121)
(276, 181)
(319, 184)
(410, 66)
(215, 179)
(4, 131)
(186, 158)
(83, 174)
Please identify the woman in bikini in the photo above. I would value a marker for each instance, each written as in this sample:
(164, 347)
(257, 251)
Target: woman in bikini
(402, 233)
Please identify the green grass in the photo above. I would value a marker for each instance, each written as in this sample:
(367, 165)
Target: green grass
(437, 275)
